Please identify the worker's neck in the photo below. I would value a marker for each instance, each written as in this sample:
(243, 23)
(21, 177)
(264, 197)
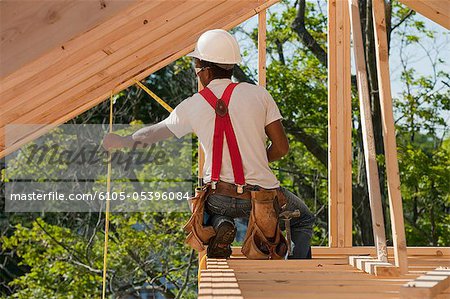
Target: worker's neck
(216, 78)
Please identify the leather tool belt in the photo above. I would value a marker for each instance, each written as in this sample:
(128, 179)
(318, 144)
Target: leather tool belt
(264, 239)
(229, 189)
(198, 234)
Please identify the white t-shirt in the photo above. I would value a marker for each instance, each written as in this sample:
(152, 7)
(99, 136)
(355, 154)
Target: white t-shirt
(251, 109)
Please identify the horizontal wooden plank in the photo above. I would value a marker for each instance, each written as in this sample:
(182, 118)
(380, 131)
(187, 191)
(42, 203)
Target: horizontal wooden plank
(281, 287)
(332, 279)
(269, 294)
(427, 286)
(367, 250)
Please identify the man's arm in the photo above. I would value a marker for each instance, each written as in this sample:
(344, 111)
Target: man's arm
(142, 137)
(279, 146)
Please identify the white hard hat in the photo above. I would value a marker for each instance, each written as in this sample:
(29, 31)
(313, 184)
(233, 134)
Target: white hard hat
(217, 46)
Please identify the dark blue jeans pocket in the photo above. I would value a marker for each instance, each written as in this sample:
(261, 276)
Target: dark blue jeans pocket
(215, 206)
(228, 206)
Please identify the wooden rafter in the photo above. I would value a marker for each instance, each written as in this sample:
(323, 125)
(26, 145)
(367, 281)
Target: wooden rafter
(64, 83)
(435, 10)
(30, 29)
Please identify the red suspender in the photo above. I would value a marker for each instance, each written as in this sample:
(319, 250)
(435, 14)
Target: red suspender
(223, 126)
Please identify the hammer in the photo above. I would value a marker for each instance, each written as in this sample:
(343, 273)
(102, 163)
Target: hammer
(286, 216)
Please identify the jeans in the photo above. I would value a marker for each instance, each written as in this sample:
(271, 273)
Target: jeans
(224, 208)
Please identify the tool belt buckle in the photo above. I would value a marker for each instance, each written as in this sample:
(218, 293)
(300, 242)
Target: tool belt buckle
(240, 189)
(213, 185)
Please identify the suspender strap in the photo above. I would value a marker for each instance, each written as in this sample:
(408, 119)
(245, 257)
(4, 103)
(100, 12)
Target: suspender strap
(224, 128)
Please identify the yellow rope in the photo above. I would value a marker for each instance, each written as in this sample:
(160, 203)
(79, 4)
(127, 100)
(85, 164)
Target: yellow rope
(108, 177)
(108, 190)
(154, 96)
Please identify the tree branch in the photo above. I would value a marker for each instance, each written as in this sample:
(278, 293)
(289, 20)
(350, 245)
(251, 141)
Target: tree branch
(307, 39)
(280, 51)
(309, 141)
(410, 12)
(186, 278)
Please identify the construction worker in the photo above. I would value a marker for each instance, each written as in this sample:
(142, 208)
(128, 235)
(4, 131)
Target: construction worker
(242, 148)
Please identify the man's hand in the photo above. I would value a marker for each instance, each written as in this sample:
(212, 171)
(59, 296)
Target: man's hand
(113, 141)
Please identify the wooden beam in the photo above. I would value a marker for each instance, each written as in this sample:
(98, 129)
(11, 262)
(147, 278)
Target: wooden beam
(318, 251)
(435, 10)
(86, 95)
(79, 48)
(373, 266)
(390, 145)
(373, 182)
(262, 48)
(339, 126)
(218, 281)
(427, 286)
(201, 153)
(29, 29)
(101, 62)
(201, 163)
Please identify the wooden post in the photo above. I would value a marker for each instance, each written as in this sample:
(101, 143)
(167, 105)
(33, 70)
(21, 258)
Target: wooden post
(339, 126)
(390, 145)
(201, 153)
(262, 48)
(201, 163)
(373, 182)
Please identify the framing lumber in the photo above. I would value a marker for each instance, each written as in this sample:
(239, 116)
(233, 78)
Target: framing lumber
(427, 286)
(24, 23)
(435, 10)
(376, 209)
(201, 163)
(339, 126)
(218, 281)
(201, 153)
(373, 266)
(262, 48)
(318, 251)
(327, 276)
(390, 145)
(116, 68)
(166, 26)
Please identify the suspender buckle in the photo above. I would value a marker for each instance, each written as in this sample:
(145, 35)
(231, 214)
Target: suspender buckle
(213, 185)
(240, 189)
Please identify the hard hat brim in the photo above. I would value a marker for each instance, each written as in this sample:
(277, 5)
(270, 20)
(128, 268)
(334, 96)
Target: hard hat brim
(197, 55)
(194, 54)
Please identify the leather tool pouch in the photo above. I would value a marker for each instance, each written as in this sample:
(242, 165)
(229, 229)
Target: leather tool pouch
(264, 239)
(198, 234)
